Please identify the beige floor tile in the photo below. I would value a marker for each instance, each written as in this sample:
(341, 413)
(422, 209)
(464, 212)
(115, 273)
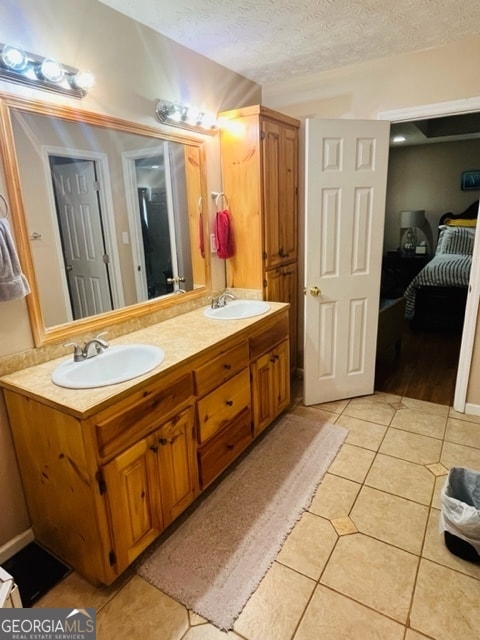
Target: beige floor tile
(411, 446)
(207, 632)
(427, 424)
(402, 478)
(195, 619)
(315, 413)
(386, 398)
(331, 616)
(75, 591)
(276, 607)
(463, 416)
(373, 573)
(437, 469)
(414, 635)
(435, 549)
(445, 603)
(436, 500)
(371, 410)
(390, 518)
(308, 546)
(463, 432)
(337, 406)
(458, 455)
(334, 497)
(140, 610)
(426, 407)
(352, 463)
(344, 526)
(362, 433)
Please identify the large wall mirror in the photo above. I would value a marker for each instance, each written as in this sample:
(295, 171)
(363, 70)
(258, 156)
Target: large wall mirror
(108, 215)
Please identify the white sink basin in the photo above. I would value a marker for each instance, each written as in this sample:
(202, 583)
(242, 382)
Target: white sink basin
(116, 364)
(237, 309)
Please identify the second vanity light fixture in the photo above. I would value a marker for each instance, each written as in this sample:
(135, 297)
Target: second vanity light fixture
(179, 115)
(17, 65)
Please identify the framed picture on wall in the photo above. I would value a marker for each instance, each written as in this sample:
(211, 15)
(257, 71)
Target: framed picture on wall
(470, 180)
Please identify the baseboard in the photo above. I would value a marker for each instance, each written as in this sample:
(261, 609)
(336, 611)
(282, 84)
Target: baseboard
(14, 545)
(472, 409)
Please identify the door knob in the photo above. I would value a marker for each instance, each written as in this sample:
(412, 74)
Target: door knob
(313, 291)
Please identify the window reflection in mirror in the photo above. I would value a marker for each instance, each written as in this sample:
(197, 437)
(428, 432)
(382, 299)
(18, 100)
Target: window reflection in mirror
(116, 215)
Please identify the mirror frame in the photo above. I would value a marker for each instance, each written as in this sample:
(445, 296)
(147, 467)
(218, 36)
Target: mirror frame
(41, 334)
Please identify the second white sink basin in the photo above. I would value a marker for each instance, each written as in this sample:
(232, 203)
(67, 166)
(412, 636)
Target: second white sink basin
(237, 309)
(116, 364)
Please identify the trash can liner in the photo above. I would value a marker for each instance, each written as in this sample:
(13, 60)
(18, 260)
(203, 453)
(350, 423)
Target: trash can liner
(460, 501)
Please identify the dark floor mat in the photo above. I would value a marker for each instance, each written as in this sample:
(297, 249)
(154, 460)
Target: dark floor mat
(35, 572)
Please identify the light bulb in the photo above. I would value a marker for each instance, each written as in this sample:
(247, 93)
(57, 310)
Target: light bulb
(83, 80)
(51, 70)
(14, 58)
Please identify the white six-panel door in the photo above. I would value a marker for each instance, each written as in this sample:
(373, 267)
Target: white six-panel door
(346, 175)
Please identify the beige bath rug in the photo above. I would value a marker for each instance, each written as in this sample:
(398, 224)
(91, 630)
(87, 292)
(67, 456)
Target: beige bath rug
(214, 560)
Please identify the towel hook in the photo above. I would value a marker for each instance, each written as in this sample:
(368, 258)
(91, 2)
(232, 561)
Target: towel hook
(2, 197)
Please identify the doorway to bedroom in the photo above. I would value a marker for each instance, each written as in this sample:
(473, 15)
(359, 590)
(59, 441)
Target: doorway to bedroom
(425, 173)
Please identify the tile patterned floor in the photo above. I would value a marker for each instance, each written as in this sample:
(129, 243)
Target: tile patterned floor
(365, 561)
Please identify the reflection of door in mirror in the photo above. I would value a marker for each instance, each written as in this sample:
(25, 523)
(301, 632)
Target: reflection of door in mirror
(80, 223)
(38, 137)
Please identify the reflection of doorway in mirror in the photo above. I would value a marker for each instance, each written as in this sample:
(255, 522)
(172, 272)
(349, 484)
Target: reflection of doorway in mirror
(79, 216)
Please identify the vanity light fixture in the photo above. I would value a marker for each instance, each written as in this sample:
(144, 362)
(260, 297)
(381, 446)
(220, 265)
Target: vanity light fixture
(179, 115)
(17, 65)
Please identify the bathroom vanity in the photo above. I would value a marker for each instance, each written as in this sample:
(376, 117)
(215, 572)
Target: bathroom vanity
(106, 470)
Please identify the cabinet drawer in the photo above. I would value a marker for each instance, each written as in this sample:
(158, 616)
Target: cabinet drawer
(223, 404)
(217, 454)
(117, 430)
(220, 368)
(271, 335)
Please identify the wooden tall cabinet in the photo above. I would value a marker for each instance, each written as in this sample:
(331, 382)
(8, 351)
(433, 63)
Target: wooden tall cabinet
(259, 154)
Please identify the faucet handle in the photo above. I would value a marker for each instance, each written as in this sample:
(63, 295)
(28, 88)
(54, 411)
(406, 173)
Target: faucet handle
(77, 350)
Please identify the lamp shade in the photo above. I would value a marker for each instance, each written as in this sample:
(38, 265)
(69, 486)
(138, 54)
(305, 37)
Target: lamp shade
(412, 219)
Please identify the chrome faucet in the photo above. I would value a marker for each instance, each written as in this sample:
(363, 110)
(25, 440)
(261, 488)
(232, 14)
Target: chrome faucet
(90, 349)
(221, 300)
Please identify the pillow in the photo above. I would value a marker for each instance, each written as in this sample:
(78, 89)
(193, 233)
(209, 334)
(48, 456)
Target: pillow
(461, 223)
(455, 240)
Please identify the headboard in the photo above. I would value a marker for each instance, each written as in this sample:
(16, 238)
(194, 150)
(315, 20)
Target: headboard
(470, 213)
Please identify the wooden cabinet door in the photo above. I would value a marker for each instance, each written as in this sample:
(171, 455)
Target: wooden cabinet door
(176, 469)
(279, 153)
(262, 393)
(281, 286)
(134, 501)
(270, 386)
(280, 360)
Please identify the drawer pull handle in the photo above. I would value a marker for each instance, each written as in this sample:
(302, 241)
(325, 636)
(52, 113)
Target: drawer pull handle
(162, 441)
(154, 448)
(229, 402)
(227, 366)
(230, 446)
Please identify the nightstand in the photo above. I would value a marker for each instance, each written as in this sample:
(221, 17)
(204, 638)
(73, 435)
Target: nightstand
(398, 270)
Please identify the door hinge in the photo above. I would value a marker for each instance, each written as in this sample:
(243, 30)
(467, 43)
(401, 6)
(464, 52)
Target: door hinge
(106, 258)
(112, 558)
(96, 185)
(102, 486)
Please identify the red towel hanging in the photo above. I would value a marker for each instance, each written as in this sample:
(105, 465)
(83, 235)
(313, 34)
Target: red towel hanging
(224, 232)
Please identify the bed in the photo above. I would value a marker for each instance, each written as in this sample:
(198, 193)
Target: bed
(436, 297)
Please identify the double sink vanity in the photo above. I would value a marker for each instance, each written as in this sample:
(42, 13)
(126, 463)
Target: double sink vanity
(107, 467)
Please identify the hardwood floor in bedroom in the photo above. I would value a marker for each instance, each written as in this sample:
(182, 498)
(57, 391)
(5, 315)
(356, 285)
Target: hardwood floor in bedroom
(426, 368)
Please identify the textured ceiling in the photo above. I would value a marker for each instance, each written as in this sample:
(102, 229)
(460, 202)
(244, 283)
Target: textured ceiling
(270, 40)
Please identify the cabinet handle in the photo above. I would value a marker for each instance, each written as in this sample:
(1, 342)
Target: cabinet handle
(274, 358)
(162, 441)
(282, 253)
(227, 366)
(229, 402)
(230, 446)
(154, 448)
